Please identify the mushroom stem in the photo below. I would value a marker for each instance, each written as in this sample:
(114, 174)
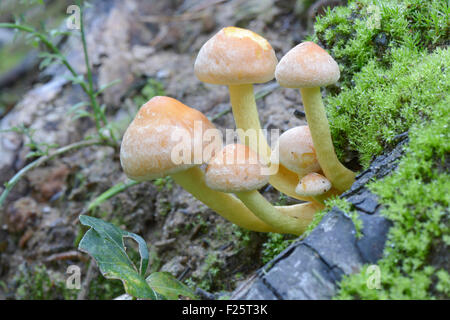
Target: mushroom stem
(228, 206)
(340, 177)
(284, 223)
(246, 117)
(304, 212)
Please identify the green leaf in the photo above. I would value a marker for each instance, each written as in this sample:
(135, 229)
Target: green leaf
(168, 286)
(77, 106)
(105, 243)
(34, 154)
(110, 193)
(106, 86)
(82, 114)
(76, 80)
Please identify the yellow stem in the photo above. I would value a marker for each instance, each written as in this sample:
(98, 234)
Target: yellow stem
(340, 177)
(246, 117)
(304, 212)
(285, 223)
(228, 206)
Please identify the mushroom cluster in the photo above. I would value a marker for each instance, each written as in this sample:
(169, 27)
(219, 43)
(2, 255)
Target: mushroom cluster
(168, 138)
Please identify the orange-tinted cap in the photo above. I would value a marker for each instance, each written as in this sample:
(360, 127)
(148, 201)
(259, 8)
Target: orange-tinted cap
(236, 169)
(147, 145)
(235, 56)
(313, 184)
(306, 66)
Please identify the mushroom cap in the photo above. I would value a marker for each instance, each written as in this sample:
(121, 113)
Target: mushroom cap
(306, 66)
(313, 184)
(236, 168)
(235, 56)
(146, 150)
(296, 151)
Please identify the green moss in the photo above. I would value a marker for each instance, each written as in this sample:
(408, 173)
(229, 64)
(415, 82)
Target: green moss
(394, 65)
(383, 103)
(101, 288)
(388, 79)
(165, 183)
(416, 199)
(370, 30)
(39, 283)
(211, 269)
(274, 245)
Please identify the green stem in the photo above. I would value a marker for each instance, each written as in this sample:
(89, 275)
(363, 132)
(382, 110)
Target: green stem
(13, 181)
(87, 88)
(99, 114)
(340, 177)
(111, 192)
(264, 210)
(228, 206)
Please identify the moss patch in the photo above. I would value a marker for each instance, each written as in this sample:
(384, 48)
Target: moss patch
(388, 85)
(369, 30)
(416, 199)
(274, 245)
(394, 65)
(386, 102)
(38, 283)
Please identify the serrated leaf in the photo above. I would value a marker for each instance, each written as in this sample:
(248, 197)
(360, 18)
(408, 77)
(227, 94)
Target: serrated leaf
(105, 243)
(168, 286)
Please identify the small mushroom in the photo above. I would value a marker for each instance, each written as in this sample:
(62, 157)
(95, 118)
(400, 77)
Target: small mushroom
(147, 153)
(238, 169)
(295, 150)
(313, 184)
(309, 67)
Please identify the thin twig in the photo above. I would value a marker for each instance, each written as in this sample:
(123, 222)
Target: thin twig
(91, 273)
(14, 180)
